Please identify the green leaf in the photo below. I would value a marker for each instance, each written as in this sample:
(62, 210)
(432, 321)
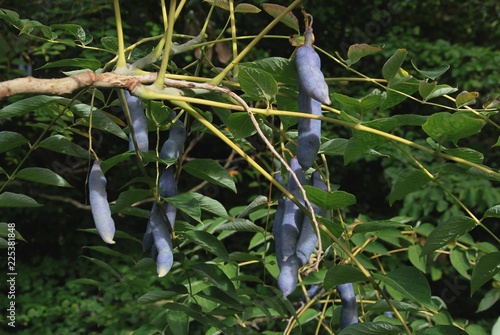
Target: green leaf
(334, 147)
(465, 98)
(486, 267)
(458, 259)
(240, 125)
(99, 120)
(382, 306)
(372, 328)
(360, 106)
(110, 43)
(493, 212)
(393, 64)
(358, 51)
(76, 30)
(489, 299)
(10, 140)
(425, 88)
(443, 330)
(444, 126)
(329, 200)
(258, 84)
(468, 154)
(42, 176)
(208, 242)
(289, 19)
(61, 144)
(414, 252)
(440, 90)
(217, 277)
(211, 171)
(154, 296)
(112, 161)
(342, 274)
(188, 204)
(129, 197)
(377, 226)
(9, 199)
(30, 105)
(240, 225)
(257, 203)
(210, 205)
(81, 63)
(407, 181)
(410, 282)
(431, 74)
(179, 321)
(360, 144)
(447, 232)
(105, 266)
(246, 8)
(108, 251)
(5, 230)
(394, 96)
(282, 69)
(10, 16)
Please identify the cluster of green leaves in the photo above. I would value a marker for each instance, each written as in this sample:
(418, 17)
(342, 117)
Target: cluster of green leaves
(223, 280)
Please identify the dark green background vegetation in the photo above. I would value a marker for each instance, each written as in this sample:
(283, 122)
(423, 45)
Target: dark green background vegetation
(50, 263)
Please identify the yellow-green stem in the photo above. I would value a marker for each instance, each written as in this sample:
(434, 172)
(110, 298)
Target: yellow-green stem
(121, 62)
(168, 43)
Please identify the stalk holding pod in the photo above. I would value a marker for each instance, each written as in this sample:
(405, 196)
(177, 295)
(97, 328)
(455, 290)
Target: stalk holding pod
(311, 79)
(99, 205)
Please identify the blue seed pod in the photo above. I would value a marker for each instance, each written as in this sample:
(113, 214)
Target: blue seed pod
(174, 145)
(139, 122)
(309, 131)
(162, 241)
(168, 188)
(293, 216)
(288, 277)
(308, 238)
(349, 311)
(277, 228)
(99, 204)
(148, 239)
(309, 74)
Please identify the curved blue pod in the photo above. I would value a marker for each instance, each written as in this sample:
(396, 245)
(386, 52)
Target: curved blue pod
(99, 205)
(139, 122)
(162, 241)
(309, 74)
(308, 238)
(309, 131)
(277, 228)
(148, 239)
(349, 311)
(174, 145)
(293, 216)
(168, 188)
(288, 277)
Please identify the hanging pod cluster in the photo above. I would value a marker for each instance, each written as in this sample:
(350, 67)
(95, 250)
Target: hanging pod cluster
(294, 235)
(158, 235)
(313, 91)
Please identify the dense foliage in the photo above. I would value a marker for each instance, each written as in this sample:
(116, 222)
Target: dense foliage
(408, 154)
